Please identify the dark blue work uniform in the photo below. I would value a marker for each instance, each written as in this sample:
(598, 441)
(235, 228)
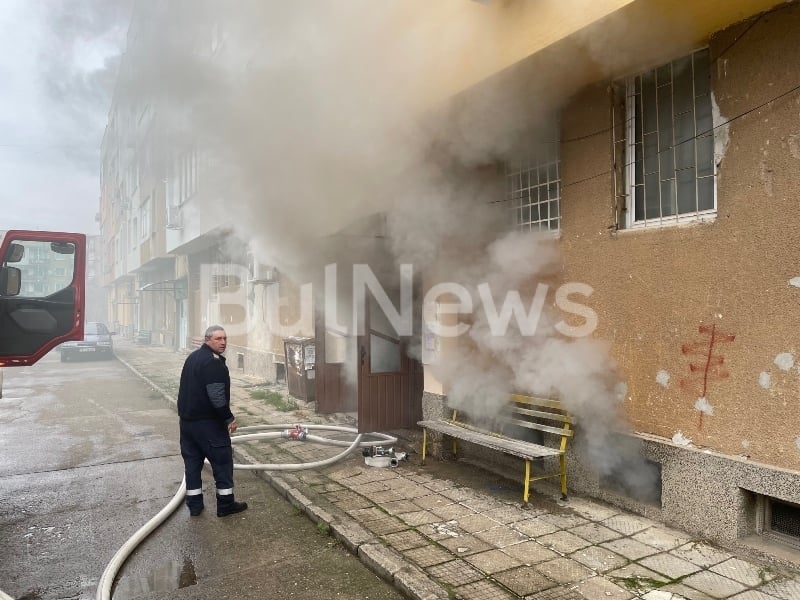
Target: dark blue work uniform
(205, 412)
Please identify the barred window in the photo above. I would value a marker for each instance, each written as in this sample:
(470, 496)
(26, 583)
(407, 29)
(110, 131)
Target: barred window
(534, 189)
(670, 149)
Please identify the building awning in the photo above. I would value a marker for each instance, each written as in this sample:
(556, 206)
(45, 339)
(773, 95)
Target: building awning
(175, 286)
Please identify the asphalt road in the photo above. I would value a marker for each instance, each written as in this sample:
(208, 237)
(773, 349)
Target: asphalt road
(88, 454)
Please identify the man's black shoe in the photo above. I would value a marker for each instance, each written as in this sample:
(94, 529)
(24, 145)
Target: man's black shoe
(195, 510)
(231, 509)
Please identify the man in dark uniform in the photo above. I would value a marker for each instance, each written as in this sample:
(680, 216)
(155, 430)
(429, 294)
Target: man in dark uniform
(206, 423)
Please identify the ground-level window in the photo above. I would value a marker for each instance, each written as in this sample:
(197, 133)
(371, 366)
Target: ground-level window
(534, 187)
(670, 149)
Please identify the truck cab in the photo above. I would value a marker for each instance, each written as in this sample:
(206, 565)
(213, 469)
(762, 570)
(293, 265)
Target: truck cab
(42, 288)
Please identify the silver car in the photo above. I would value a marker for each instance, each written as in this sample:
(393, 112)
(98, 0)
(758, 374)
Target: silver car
(96, 342)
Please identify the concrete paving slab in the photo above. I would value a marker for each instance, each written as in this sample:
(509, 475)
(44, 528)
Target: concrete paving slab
(599, 559)
(483, 590)
(465, 545)
(563, 570)
(678, 590)
(743, 572)
(563, 542)
(661, 538)
(595, 533)
(752, 595)
(427, 556)
(662, 595)
(670, 566)
(637, 578)
(714, 585)
(627, 524)
(535, 527)
(599, 588)
(701, 554)
(501, 536)
(476, 522)
(405, 540)
(385, 525)
(442, 530)
(507, 514)
(420, 517)
(492, 561)
(454, 573)
(558, 593)
(452, 511)
(591, 510)
(630, 548)
(530, 552)
(565, 520)
(524, 581)
(785, 589)
(431, 501)
(399, 507)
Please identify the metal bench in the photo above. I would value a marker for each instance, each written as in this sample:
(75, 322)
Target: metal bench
(540, 414)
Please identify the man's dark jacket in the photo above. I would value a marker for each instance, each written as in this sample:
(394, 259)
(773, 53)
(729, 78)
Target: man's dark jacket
(205, 391)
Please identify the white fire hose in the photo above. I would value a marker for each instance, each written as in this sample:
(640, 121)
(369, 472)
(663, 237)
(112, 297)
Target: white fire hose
(285, 431)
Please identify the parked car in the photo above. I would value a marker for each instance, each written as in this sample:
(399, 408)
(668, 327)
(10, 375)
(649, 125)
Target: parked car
(96, 342)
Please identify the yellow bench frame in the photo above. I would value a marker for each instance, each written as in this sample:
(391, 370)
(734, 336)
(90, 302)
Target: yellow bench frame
(541, 414)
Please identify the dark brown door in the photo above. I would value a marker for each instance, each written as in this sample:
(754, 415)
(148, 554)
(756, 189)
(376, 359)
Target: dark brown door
(390, 382)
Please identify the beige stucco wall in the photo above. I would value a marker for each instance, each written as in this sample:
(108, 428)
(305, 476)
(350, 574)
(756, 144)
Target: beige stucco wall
(654, 288)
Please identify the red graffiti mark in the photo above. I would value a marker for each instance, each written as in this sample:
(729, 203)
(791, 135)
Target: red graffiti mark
(710, 367)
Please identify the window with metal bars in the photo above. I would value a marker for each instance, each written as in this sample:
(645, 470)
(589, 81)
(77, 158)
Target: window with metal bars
(670, 147)
(781, 521)
(534, 189)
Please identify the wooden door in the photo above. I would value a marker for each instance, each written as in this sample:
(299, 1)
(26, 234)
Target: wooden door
(390, 382)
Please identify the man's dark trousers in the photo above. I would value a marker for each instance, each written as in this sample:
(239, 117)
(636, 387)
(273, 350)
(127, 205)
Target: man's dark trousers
(201, 439)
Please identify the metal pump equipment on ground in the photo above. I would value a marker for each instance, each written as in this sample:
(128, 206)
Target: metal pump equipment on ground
(378, 456)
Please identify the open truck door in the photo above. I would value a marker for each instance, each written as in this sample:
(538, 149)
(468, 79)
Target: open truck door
(42, 286)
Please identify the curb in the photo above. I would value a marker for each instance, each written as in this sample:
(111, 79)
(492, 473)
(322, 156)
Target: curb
(386, 563)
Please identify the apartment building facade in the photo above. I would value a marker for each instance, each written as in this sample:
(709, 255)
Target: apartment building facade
(664, 170)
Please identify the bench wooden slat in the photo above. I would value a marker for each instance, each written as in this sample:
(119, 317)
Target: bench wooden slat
(543, 414)
(533, 401)
(515, 447)
(540, 427)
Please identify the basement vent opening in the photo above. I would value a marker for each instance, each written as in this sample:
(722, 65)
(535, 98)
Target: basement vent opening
(638, 481)
(781, 521)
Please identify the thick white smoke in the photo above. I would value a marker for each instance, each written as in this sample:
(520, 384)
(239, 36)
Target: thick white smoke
(311, 117)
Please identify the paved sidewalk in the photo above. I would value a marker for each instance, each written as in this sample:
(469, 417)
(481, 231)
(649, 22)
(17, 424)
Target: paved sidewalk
(449, 531)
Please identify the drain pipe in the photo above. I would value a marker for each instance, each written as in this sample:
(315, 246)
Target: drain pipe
(287, 431)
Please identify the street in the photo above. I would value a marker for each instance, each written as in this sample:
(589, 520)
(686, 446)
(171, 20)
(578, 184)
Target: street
(89, 453)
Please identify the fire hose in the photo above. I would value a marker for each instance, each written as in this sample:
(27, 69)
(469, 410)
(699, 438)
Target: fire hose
(252, 433)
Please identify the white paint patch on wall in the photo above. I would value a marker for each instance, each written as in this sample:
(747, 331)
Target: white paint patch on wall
(784, 361)
(662, 378)
(794, 145)
(745, 443)
(795, 282)
(797, 442)
(704, 406)
(764, 380)
(680, 439)
(721, 131)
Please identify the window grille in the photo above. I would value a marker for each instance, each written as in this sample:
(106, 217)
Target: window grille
(534, 189)
(780, 521)
(670, 149)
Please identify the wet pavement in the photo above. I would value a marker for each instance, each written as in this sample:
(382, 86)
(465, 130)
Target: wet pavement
(448, 530)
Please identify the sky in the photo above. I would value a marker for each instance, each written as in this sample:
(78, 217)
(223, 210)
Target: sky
(57, 66)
